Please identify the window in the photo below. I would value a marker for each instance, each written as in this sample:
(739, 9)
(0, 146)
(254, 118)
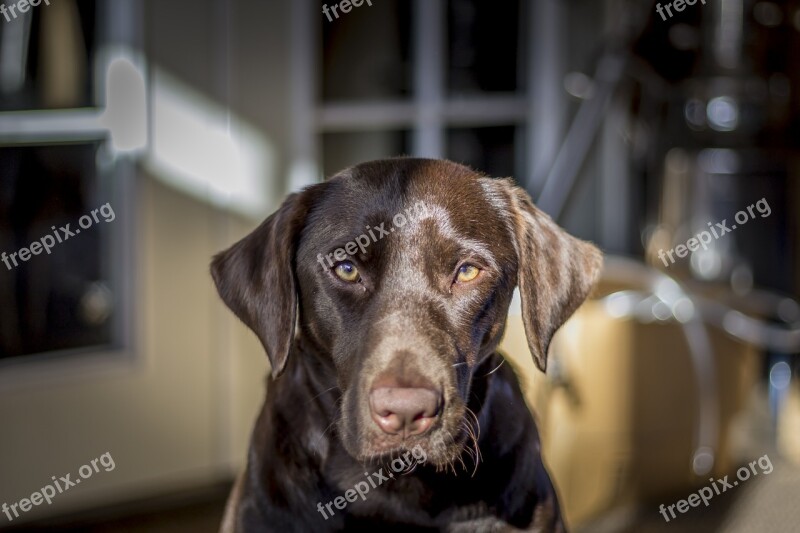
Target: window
(429, 78)
(46, 56)
(64, 180)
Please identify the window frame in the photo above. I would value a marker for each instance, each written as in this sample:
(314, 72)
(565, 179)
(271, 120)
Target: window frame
(121, 28)
(539, 111)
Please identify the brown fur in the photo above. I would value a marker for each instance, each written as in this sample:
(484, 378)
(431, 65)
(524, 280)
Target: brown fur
(410, 319)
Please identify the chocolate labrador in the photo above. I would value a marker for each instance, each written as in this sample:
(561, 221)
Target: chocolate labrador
(380, 297)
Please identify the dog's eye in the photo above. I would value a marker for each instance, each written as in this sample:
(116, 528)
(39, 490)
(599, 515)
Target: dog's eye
(467, 273)
(347, 271)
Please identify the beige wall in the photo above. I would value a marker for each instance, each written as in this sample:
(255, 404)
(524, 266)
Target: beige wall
(176, 409)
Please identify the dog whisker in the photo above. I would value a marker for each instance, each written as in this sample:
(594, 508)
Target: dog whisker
(461, 460)
(330, 427)
(495, 370)
(321, 393)
(474, 434)
(477, 422)
(322, 436)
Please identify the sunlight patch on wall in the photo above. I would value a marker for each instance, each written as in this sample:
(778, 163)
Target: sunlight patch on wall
(200, 148)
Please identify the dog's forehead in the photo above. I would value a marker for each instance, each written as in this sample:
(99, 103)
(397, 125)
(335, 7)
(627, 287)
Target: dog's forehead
(413, 193)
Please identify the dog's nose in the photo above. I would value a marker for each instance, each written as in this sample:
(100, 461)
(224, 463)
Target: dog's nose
(405, 411)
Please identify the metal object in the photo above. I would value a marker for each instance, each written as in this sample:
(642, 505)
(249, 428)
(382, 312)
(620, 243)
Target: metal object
(662, 299)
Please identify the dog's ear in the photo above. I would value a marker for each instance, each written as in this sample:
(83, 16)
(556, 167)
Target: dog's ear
(556, 272)
(256, 278)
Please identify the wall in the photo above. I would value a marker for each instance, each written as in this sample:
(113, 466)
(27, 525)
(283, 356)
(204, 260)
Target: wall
(174, 408)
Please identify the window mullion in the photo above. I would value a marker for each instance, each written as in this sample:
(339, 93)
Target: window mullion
(547, 105)
(428, 34)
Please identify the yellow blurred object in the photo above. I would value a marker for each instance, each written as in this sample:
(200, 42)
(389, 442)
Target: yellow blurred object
(618, 410)
(63, 56)
(788, 436)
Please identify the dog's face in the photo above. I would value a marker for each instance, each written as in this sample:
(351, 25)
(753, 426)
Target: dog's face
(403, 271)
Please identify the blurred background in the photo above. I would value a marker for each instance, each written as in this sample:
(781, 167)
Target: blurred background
(194, 119)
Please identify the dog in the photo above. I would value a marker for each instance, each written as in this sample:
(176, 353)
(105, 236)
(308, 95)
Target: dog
(380, 297)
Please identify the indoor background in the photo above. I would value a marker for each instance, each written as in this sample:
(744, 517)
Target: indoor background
(165, 131)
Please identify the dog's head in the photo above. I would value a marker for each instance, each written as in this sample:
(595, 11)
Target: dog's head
(402, 272)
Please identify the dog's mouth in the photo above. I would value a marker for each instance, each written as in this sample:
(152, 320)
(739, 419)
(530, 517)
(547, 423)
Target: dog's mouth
(401, 407)
(451, 440)
(402, 459)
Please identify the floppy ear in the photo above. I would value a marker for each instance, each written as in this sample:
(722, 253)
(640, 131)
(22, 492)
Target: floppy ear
(256, 278)
(556, 272)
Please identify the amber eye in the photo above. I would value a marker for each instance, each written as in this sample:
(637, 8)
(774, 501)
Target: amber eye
(347, 271)
(467, 273)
